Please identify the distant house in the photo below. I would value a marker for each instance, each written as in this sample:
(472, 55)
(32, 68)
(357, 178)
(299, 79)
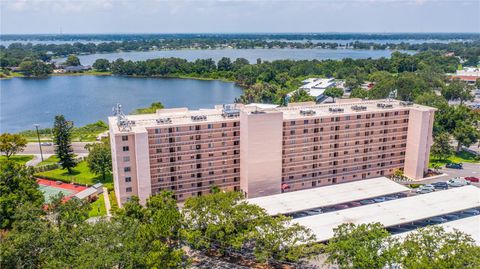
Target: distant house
(467, 74)
(78, 68)
(315, 87)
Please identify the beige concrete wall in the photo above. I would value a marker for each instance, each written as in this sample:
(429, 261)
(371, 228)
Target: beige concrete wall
(419, 141)
(144, 184)
(119, 175)
(261, 153)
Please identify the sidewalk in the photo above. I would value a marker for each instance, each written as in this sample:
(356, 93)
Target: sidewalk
(108, 207)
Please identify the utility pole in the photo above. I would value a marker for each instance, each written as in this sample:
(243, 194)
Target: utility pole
(39, 144)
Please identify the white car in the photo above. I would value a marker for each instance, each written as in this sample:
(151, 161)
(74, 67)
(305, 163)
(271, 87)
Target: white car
(457, 182)
(425, 189)
(46, 144)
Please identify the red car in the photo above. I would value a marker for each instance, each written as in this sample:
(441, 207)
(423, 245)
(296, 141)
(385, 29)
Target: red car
(472, 179)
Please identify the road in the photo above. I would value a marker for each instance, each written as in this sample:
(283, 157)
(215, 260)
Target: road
(33, 149)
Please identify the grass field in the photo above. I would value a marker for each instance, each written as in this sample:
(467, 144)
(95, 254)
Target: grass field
(81, 175)
(50, 160)
(20, 159)
(461, 157)
(98, 207)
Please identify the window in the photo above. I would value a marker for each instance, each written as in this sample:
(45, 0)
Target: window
(126, 158)
(128, 179)
(124, 137)
(128, 189)
(126, 148)
(127, 169)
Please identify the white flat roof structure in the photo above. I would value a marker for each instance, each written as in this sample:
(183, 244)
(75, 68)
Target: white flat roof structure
(470, 226)
(329, 195)
(395, 212)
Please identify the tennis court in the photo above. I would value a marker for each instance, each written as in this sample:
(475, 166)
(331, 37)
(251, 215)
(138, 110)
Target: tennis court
(52, 188)
(49, 192)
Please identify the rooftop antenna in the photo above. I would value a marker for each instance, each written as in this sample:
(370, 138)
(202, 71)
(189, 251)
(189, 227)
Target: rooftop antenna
(123, 123)
(392, 95)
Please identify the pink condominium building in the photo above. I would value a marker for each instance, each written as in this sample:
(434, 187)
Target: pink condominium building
(263, 150)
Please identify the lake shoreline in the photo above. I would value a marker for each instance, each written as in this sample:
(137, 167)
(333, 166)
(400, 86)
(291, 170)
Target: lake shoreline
(108, 73)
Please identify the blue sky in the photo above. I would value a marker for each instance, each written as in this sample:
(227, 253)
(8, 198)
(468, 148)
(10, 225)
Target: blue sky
(192, 16)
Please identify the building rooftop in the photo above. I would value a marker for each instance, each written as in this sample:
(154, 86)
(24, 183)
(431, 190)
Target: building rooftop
(326, 196)
(470, 226)
(181, 116)
(395, 212)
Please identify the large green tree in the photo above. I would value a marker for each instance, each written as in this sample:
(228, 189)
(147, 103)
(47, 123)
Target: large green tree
(99, 158)
(35, 68)
(441, 148)
(362, 247)
(135, 237)
(72, 60)
(458, 90)
(434, 248)
(11, 144)
(101, 65)
(17, 187)
(466, 135)
(225, 221)
(62, 138)
(333, 93)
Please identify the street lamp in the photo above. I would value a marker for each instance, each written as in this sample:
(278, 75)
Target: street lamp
(39, 144)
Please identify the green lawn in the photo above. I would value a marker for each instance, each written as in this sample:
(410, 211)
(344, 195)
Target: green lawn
(461, 157)
(80, 175)
(98, 207)
(113, 201)
(20, 159)
(50, 160)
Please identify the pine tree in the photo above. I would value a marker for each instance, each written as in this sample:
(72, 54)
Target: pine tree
(62, 135)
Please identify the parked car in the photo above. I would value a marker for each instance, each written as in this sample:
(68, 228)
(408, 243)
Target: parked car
(440, 185)
(397, 230)
(473, 179)
(391, 197)
(342, 206)
(437, 220)
(457, 182)
(454, 165)
(313, 211)
(379, 199)
(46, 144)
(367, 202)
(451, 217)
(354, 204)
(401, 195)
(425, 189)
(472, 212)
(328, 209)
(421, 223)
(299, 215)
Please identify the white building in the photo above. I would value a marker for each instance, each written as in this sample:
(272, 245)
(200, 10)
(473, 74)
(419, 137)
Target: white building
(315, 87)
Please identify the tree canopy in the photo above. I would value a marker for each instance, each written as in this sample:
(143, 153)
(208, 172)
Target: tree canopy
(62, 137)
(11, 144)
(99, 158)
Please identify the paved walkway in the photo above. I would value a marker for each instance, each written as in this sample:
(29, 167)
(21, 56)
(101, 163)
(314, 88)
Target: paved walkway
(108, 207)
(37, 159)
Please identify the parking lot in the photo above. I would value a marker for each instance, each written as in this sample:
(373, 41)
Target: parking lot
(469, 170)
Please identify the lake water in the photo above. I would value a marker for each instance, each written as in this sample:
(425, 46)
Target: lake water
(250, 54)
(87, 99)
